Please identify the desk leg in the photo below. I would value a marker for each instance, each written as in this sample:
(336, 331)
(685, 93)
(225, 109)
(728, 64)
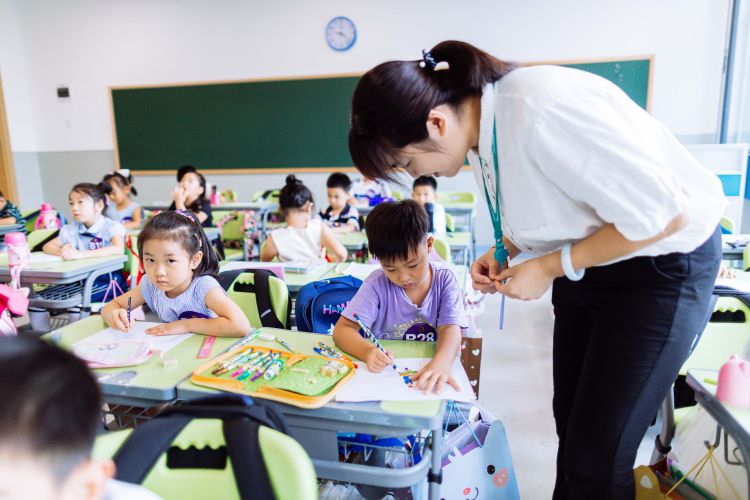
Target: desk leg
(435, 476)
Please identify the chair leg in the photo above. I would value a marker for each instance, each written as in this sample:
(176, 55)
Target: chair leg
(663, 441)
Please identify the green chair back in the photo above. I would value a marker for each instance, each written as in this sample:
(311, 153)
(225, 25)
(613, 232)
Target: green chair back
(290, 469)
(34, 238)
(450, 222)
(720, 340)
(247, 302)
(442, 248)
(397, 195)
(232, 229)
(274, 196)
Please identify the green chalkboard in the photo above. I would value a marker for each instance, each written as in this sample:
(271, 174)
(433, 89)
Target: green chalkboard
(283, 125)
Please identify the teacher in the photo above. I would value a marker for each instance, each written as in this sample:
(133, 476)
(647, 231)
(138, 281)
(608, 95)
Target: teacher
(619, 218)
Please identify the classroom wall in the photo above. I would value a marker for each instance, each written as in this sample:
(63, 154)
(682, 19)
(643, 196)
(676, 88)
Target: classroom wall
(89, 45)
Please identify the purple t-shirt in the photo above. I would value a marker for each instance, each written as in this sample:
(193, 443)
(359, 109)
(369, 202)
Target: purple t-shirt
(391, 314)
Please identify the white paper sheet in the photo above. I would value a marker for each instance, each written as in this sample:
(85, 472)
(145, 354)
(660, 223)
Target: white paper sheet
(388, 385)
(41, 258)
(110, 336)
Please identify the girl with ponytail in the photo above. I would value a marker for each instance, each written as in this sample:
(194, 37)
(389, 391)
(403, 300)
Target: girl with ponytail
(123, 209)
(304, 238)
(617, 217)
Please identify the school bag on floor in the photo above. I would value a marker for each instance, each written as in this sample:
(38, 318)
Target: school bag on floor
(320, 303)
(476, 461)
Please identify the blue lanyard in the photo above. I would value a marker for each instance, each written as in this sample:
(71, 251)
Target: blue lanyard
(501, 253)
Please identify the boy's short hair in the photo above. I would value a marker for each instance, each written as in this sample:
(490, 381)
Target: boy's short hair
(339, 180)
(396, 230)
(425, 180)
(50, 403)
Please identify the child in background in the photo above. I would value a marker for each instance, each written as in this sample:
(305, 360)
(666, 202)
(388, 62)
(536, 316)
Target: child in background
(123, 209)
(424, 191)
(304, 236)
(190, 194)
(366, 189)
(9, 214)
(340, 216)
(410, 298)
(179, 284)
(91, 234)
(48, 421)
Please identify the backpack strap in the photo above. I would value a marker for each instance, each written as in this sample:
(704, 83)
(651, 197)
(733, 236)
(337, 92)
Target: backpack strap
(260, 288)
(242, 419)
(138, 454)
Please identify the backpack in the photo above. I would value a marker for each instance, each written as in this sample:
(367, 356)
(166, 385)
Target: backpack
(260, 288)
(241, 417)
(320, 303)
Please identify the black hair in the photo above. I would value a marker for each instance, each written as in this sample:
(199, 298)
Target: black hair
(391, 102)
(50, 403)
(185, 169)
(339, 180)
(294, 194)
(2, 195)
(395, 230)
(121, 181)
(97, 192)
(185, 228)
(425, 180)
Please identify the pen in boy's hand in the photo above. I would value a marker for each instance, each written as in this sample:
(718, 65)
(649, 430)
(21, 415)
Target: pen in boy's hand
(130, 299)
(372, 337)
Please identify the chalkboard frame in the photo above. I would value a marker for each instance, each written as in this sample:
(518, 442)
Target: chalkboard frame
(274, 170)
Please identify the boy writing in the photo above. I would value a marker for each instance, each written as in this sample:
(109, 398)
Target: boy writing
(410, 298)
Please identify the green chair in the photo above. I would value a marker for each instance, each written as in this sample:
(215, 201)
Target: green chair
(279, 295)
(450, 223)
(448, 197)
(290, 470)
(442, 248)
(271, 195)
(718, 341)
(397, 195)
(36, 239)
(230, 195)
(727, 225)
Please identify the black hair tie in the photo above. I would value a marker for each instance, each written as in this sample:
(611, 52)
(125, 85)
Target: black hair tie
(429, 62)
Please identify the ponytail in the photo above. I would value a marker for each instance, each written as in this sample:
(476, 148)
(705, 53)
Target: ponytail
(392, 101)
(294, 194)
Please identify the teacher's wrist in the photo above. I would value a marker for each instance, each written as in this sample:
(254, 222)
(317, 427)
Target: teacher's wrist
(552, 265)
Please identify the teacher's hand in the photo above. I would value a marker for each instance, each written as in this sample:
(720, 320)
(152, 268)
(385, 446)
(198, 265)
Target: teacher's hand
(481, 270)
(530, 279)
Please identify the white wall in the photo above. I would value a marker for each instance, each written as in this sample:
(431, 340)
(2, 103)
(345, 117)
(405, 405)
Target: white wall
(90, 45)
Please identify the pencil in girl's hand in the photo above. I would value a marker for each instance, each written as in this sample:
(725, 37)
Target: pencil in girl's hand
(372, 337)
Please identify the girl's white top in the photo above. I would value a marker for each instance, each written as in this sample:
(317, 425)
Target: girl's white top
(299, 244)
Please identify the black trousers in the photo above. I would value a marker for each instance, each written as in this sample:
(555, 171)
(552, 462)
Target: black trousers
(621, 335)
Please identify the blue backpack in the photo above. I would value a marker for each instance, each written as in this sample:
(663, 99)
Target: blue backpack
(320, 303)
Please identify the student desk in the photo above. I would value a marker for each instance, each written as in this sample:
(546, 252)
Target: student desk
(57, 274)
(316, 429)
(236, 205)
(733, 247)
(735, 421)
(151, 383)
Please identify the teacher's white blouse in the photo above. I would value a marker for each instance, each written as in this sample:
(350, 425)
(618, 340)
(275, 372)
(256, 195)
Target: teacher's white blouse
(576, 153)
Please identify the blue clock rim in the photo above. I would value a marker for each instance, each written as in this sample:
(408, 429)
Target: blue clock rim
(351, 44)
